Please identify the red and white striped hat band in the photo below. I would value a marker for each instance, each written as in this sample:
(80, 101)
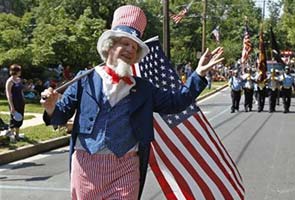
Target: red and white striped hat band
(128, 21)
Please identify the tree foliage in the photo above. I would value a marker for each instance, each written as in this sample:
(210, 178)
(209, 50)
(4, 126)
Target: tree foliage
(44, 33)
(288, 22)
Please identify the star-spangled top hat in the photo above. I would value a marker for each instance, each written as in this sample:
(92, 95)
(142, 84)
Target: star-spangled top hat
(128, 21)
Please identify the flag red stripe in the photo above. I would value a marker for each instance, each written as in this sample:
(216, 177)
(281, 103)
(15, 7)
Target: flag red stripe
(160, 177)
(190, 169)
(223, 189)
(247, 48)
(178, 17)
(218, 147)
(215, 158)
(185, 189)
(234, 172)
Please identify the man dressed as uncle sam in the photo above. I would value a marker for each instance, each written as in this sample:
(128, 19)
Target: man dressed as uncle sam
(113, 125)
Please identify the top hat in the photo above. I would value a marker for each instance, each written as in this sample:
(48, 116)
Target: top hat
(128, 21)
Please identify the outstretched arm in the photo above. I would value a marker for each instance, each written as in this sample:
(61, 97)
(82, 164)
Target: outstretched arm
(208, 60)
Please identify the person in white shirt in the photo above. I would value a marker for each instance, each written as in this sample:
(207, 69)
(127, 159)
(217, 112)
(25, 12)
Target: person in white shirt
(248, 87)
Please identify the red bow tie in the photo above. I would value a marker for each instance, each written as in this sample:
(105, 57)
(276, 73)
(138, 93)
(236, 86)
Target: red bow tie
(115, 77)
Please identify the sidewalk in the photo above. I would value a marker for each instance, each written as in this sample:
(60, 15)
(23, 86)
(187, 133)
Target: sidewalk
(30, 122)
(30, 150)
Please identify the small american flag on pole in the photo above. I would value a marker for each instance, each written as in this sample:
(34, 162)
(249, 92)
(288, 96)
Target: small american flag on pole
(216, 34)
(247, 46)
(187, 156)
(176, 18)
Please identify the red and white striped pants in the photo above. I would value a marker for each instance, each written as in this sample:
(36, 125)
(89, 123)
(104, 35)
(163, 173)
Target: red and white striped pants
(104, 176)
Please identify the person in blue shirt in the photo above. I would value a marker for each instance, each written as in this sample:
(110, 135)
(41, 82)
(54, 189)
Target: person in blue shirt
(287, 86)
(235, 83)
(113, 125)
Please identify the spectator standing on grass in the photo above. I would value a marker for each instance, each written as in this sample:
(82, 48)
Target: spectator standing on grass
(15, 96)
(113, 126)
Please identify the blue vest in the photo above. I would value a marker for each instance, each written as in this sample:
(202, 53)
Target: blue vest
(111, 129)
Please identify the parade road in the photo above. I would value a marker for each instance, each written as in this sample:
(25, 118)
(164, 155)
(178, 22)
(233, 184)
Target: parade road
(261, 144)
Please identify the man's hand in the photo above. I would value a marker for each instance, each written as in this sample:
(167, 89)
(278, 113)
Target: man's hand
(48, 99)
(208, 60)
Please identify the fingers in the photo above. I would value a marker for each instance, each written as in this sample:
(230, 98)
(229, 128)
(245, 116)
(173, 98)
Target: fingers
(209, 59)
(216, 61)
(49, 96)
(217, 50)
(215, 54)
(206, 52)
(205, 55)
(48, 100)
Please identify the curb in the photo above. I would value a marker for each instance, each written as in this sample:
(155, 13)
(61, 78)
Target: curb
(30, 150)
(211, 93)
(27, 151)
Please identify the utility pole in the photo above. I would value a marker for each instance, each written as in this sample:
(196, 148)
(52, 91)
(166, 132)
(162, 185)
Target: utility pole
(204, 15)
(166, 30)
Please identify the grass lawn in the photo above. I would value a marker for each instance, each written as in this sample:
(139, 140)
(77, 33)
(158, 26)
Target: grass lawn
(6, 117)
(214, 86)
(34, 107)
(33, 135)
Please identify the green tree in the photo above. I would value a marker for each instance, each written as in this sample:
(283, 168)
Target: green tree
(67, 33)
(288, 22)
(41, 33)
(14, 39)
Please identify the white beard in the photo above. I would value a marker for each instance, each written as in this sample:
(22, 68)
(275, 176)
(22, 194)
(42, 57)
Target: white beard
(122, 68)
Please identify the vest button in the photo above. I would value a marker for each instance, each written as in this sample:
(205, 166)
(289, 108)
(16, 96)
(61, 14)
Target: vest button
(91, 119)
(89, 128)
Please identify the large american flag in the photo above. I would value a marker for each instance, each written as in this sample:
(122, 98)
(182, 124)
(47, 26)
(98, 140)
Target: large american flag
(187, 156)
(247, 46)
